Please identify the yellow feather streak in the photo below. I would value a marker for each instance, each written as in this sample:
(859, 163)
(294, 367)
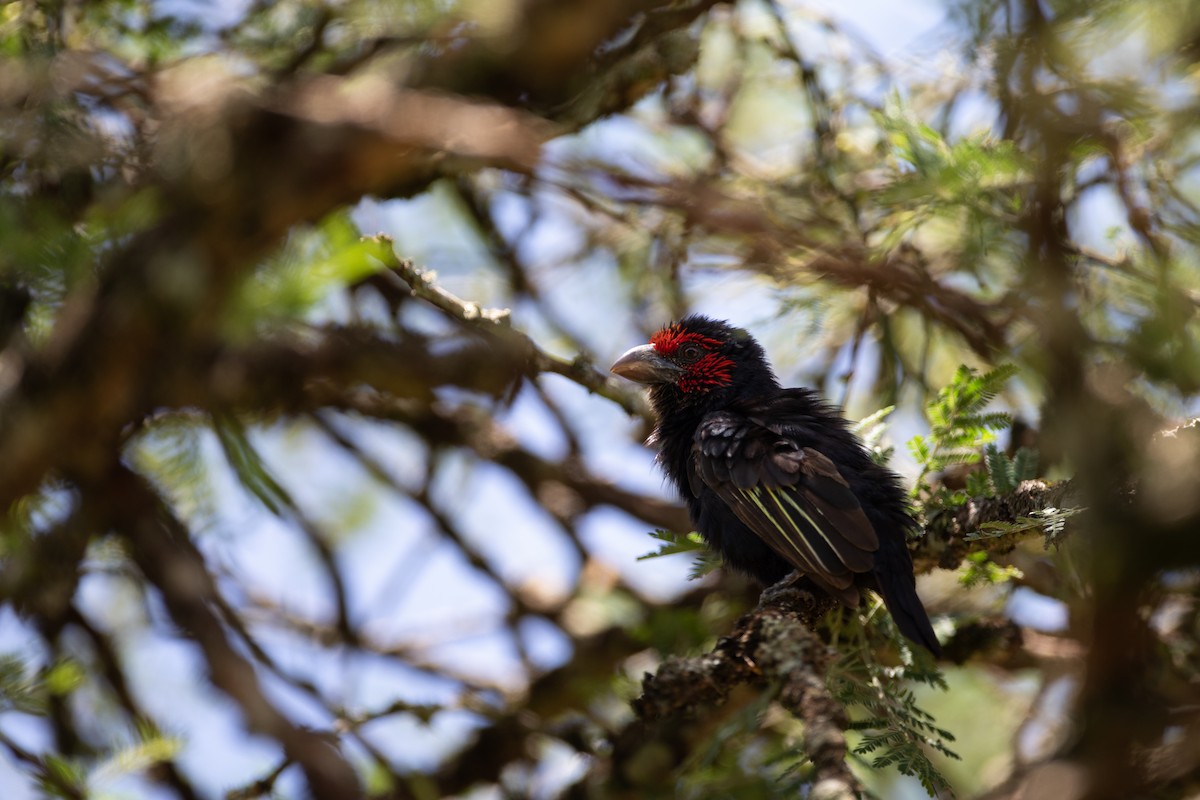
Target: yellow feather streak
(755, 496)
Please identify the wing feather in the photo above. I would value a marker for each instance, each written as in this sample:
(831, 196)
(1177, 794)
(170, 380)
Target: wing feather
(791, 496)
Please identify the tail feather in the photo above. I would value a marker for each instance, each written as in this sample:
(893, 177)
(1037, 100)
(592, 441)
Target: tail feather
(894, 576)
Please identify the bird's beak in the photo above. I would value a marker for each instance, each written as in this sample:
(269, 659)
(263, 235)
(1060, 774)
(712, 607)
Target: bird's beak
(644, 365)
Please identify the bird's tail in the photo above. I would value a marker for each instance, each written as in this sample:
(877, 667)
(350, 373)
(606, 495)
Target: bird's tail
(894, 577)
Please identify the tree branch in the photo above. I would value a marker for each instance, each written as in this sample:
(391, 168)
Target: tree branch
(775, 646)
(499, 323)
(945, 545)
(162, 549)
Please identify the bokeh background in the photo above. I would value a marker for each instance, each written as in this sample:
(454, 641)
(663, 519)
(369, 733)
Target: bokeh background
(294, 512)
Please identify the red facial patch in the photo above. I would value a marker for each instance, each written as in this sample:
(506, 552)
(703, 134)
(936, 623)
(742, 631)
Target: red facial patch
(668, 340)
(707, 372)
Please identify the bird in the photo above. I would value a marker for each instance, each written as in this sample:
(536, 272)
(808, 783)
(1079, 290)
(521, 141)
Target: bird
(773, 478)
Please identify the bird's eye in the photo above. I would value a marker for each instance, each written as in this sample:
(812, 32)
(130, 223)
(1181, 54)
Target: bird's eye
(690, 352)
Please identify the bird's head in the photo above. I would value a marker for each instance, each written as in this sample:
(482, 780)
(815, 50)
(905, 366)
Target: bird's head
(697, 361)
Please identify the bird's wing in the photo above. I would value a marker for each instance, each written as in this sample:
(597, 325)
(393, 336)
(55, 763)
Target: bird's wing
(791, 496)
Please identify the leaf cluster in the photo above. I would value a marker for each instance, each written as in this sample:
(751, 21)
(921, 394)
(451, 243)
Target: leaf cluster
(895, 730)
(959, 426)
(870, 430)
(28, 691)
(705, 560)
(1004, 473)
(1052, 521)
(980, 569)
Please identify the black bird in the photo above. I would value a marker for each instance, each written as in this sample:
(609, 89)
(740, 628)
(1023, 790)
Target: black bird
(773, 477)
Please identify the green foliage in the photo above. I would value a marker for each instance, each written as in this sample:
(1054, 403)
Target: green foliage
(894, 730)
(312, 264)
(1051, 521)
(61, 777)
(150, 749)
(170, 450)
(19, 690)
(870, 430)
(26, 690)
(958, 428)
(73, 778)
(979, 569)
(249, 467)
(748, 719)
(63, 677)
(965, 173)
(672, 543)
(966, 189)
(676, 630)
(1006, 474)
(979, 484)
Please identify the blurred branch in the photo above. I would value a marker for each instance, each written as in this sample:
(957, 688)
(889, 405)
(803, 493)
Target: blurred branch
(553, 59)
(556, 702)
(225, 215)
(444, 426)
(409, 122)
(781, 248)
(261, 787)
(162, 549)
(41, 579)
